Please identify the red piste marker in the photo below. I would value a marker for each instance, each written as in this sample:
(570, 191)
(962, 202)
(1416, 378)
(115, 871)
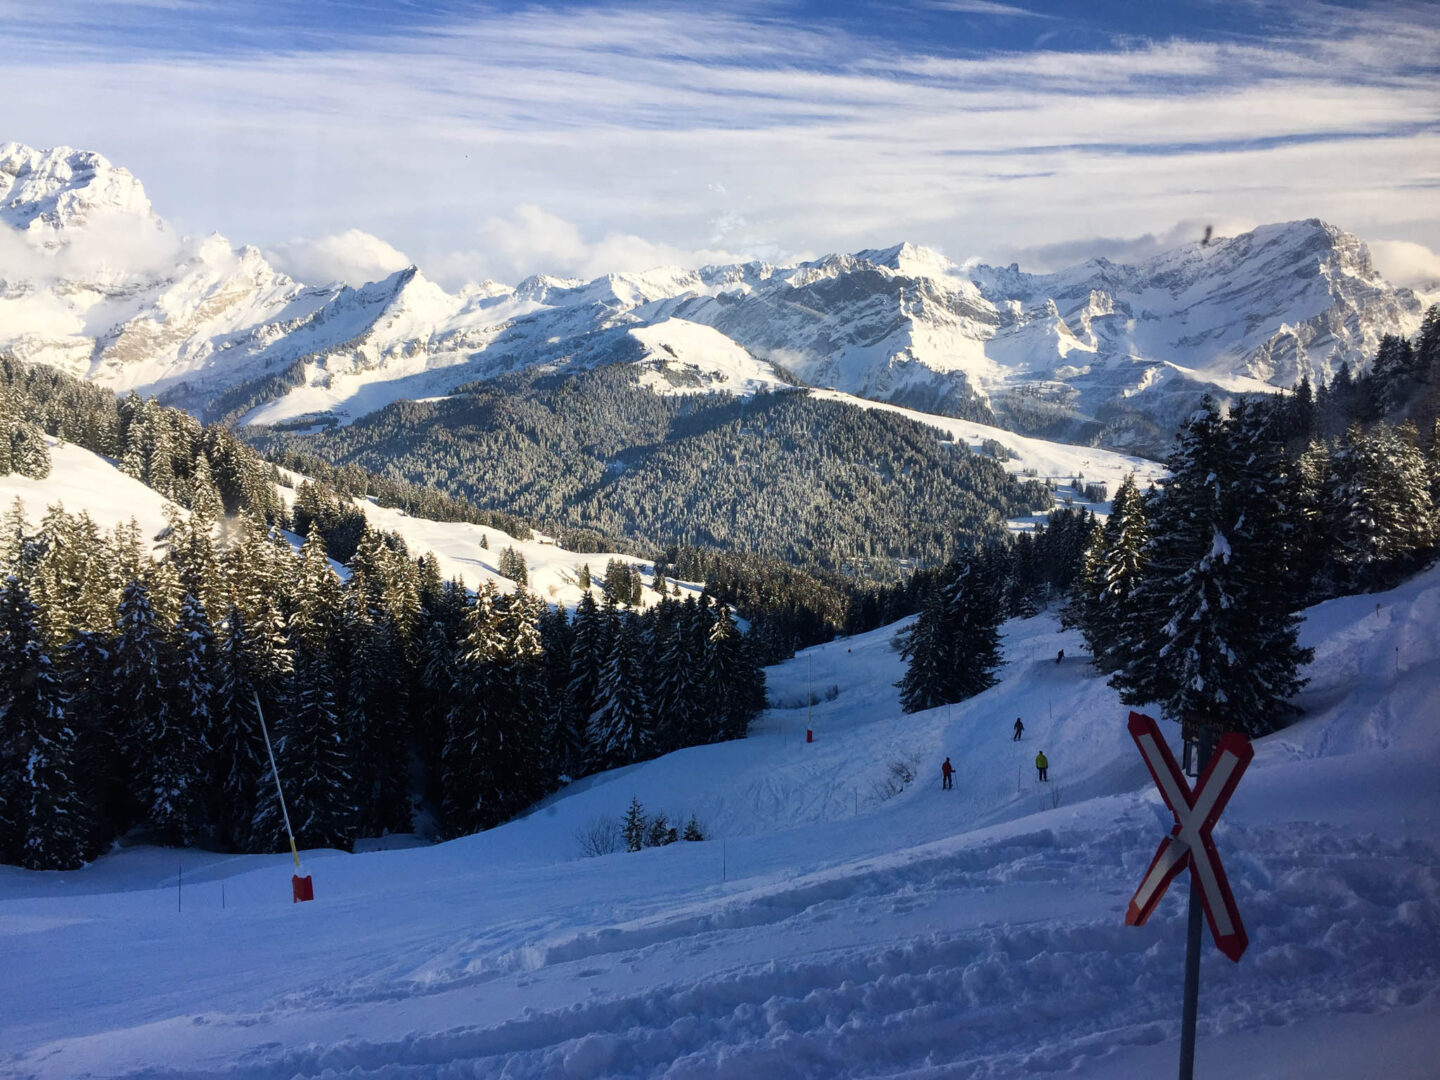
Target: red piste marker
(1189, 843)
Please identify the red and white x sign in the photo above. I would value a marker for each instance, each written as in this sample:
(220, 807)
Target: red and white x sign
(1189, 843)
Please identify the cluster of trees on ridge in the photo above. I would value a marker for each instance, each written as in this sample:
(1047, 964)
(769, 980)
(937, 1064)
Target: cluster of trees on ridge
(817, 484)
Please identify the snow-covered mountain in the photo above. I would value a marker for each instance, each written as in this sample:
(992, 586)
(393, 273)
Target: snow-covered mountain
(92, 281)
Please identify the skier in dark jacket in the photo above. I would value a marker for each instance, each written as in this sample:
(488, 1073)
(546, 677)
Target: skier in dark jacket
(946, 772)
(1019, 728)
(1060, 656)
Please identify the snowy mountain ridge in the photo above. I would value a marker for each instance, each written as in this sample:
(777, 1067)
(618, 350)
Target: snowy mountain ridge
(1099, 351)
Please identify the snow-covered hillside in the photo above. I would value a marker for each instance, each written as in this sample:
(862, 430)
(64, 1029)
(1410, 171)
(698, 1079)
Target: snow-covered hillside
(837, 923)
(84, 482)
(91, 280)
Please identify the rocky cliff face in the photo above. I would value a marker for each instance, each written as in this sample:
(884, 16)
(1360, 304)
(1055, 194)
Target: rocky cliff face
(93, 281)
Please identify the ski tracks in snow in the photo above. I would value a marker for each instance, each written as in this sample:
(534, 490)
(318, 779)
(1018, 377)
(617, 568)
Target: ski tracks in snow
(946, 961)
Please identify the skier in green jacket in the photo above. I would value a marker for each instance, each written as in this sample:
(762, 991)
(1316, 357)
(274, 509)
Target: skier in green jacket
(1041, 764)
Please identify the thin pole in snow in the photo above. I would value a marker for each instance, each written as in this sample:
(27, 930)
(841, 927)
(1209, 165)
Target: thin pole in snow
(294, 851)
(724, 869)
(809, 689)
(222, 895)
(1191, 1006)
(179, 877)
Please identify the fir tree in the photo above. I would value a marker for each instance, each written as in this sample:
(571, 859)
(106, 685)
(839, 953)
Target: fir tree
(1220, 643)
(1114, 571)
(181, 764)
(44, 822)
(633, 828)
(315, 759)
(620, 731)
(241, 763)
(142, 719)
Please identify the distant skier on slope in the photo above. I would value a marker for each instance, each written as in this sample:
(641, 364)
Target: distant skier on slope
(1019, 730)
(946, 772)
(1042, 764)
(1060, 656)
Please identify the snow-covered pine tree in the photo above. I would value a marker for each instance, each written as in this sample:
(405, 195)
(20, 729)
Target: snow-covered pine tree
(197, 563)
(927, 649)
(1379, 515)
(1114, 571)
(14, 530)
(678, 678)
(974, 602)
(438, 670)
(141, 700)
(726, 673)
(23, 448)
(621, 731)
(315, 759)
(1220, 636)
(586, 661)
(181, 776)
(633, 828)
(377, 680)
(45, 823)
(85, 669)
(564, 737)
(241, 763)
(532, 771)
(472, 792)
(659, 832)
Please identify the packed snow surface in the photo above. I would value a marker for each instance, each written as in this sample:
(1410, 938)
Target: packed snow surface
(837, 923)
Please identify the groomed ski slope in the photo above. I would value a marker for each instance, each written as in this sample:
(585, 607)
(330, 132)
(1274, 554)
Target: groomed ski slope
(826, 931)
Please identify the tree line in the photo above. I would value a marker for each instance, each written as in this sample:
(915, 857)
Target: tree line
(132, 690)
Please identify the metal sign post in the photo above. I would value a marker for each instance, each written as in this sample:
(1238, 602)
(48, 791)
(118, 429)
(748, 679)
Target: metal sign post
(1190, 846)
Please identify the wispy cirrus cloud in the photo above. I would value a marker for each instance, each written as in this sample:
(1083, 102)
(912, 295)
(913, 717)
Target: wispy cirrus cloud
(499, 142)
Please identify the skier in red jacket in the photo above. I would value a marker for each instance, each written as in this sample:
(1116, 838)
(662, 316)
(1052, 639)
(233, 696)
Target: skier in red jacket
(946, 771)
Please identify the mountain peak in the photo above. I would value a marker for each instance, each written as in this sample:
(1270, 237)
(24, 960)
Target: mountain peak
(48, 191)
(911, 260)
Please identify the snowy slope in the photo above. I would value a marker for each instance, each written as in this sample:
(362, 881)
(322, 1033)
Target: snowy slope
(93, 281)
(84, 482)
(826, 930)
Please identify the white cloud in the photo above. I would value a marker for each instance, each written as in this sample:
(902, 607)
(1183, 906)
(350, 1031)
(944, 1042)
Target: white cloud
(532, 240)
(354, 257)
(1403, 262)
(1047, 258)
(654, 135)
(112, 248)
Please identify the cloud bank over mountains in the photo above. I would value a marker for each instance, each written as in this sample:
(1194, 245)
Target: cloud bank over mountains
(485, 143)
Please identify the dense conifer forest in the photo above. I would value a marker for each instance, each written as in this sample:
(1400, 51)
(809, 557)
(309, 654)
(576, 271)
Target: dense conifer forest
(816, 484)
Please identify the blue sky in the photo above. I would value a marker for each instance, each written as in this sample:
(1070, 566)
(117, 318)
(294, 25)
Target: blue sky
(496, 140)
